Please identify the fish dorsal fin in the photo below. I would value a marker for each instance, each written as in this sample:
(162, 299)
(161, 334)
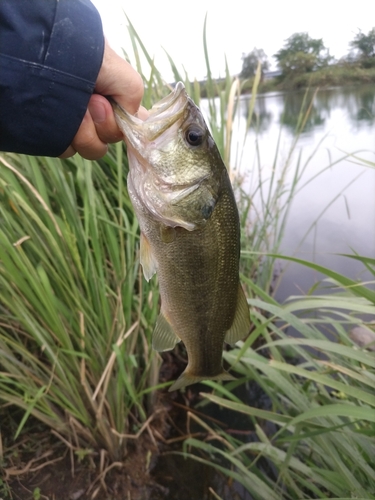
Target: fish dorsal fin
(164, 337)
(147, 258)
(241, 323)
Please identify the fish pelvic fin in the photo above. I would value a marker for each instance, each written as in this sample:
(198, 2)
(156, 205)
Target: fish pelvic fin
(164, 338)
(241, 323)
(186, 379)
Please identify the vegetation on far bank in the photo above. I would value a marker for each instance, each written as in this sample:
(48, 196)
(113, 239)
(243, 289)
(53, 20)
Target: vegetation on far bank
(305, 62)
(335, 75)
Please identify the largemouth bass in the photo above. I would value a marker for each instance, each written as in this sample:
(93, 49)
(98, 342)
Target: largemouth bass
(190, 233)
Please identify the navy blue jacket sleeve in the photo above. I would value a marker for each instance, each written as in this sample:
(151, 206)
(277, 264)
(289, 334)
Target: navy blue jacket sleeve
(50, 56)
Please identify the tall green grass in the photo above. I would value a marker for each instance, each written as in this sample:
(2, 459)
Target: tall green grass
(75, 313)
(317, 438)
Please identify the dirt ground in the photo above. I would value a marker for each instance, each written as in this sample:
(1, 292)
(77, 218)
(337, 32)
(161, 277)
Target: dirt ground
(130, 480)
(39, 466)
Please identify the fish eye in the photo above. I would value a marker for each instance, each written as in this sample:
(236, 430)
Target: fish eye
(194, 136)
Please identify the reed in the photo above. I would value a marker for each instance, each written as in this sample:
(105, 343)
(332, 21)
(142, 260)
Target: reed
(75, 314)
(316, 438)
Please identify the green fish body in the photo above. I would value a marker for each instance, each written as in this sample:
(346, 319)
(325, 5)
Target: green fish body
(190, 233)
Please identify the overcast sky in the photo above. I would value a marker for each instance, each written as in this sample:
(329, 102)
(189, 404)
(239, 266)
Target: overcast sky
(234, 27)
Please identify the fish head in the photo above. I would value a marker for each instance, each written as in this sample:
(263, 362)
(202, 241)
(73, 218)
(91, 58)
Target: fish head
(171, 156)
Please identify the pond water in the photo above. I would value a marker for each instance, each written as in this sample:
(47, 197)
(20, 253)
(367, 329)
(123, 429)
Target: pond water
(335, 212)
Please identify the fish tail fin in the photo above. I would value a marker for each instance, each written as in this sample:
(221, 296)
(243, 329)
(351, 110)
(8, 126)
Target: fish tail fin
(186, 379)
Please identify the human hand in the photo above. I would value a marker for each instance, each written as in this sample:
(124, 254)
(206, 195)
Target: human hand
(118, 79)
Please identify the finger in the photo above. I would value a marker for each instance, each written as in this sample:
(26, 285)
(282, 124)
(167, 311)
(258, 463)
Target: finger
(102, 115)
(68, 153)
(120, 80)
(142, 113)
(86, 141)
(130, 94)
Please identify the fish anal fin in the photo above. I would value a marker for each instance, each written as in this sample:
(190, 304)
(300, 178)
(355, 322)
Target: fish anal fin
(241, 323)
(186, 379)
(147, 258)
(164, 337)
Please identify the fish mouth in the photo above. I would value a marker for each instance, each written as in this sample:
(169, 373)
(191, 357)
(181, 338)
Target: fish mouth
(161, 117)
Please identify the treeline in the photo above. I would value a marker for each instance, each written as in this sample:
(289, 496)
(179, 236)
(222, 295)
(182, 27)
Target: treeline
(303, 59)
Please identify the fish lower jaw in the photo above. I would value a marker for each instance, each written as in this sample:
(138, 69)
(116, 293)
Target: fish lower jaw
(187, 378)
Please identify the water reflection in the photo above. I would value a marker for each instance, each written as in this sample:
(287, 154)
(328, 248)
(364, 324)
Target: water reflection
(286, 108)
(363, 109)
(302, 109)
(262, 117)
(335, 212)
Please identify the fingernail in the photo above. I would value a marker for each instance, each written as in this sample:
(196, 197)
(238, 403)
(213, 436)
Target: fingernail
(97, 111)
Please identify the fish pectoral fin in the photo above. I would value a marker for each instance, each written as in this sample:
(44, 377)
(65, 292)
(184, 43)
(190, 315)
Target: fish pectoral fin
(164, 337)
(147, 259)
(241, 323)
(186, 379)
(167, 234)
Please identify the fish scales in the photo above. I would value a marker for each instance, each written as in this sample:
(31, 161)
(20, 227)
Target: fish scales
(190, 233)
(198, 280)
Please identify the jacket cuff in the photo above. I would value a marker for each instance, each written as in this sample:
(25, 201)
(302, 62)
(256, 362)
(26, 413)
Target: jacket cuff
(45, 101)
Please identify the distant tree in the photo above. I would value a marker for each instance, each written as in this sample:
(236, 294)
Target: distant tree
(365, 47)
(250, 63)
(302, 54)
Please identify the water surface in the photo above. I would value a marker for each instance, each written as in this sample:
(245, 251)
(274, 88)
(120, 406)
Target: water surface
(335, 212)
